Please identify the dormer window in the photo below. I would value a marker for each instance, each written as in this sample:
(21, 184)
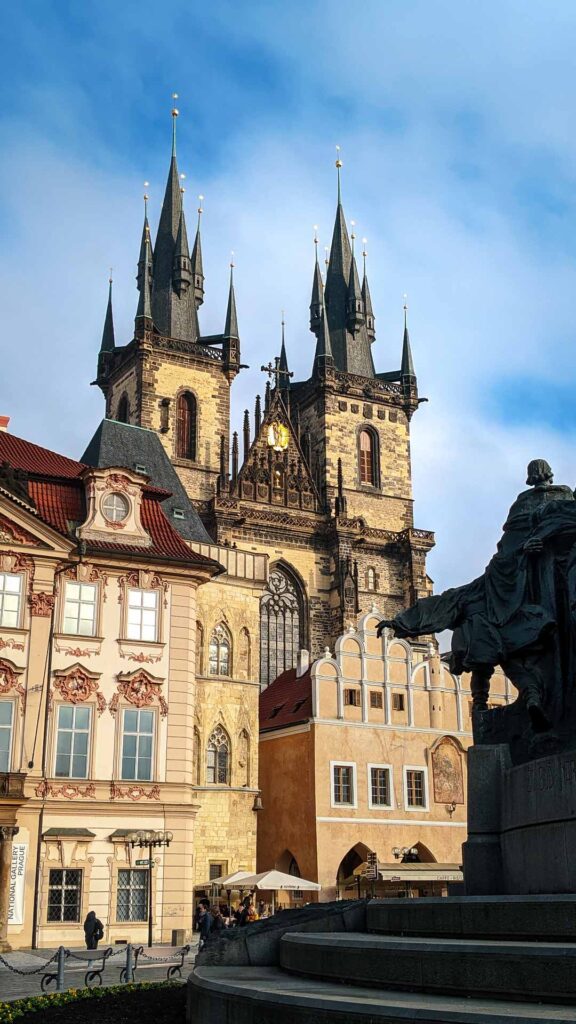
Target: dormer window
(115, 507)
(178, 513)
(139, 468)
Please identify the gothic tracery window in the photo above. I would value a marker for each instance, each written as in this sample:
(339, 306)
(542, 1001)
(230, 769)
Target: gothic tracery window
(218, 758)
(281, 626)
(186, 426)
(219, 652)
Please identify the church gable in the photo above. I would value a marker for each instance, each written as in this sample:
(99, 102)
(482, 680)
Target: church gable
(275, 471)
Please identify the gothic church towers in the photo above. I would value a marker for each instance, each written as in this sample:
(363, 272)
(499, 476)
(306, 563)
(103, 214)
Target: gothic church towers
(169, 378)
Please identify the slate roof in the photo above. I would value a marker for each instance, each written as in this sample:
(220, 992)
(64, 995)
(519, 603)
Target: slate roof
(120, 444)
(56, 486)
(287, 701)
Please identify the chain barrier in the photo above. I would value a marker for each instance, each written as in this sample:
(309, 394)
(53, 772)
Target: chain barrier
(166, 959)
(34, 970)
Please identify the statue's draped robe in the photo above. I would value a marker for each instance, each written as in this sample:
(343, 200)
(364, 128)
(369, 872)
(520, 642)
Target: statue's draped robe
(521, 599)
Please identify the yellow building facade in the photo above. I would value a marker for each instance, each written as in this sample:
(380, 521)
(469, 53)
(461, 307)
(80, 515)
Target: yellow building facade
(365, 753)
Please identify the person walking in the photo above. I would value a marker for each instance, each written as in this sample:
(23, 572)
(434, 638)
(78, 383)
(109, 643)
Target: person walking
(93, 932)
(204, 926)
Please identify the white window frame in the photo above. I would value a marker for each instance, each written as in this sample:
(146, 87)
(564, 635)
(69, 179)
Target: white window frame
(79, 602)
(12, 727)
(153, 766)
(390, 770)
(75, 707)
(139, 639)
(343, 764)
(415, 768)
(17, 624)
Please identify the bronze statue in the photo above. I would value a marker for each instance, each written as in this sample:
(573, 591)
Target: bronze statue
(520, 614)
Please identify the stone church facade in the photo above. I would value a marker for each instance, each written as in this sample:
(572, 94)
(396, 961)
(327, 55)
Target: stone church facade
(319, 483)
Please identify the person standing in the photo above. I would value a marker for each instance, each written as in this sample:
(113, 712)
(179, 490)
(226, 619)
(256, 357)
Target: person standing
(93, 932)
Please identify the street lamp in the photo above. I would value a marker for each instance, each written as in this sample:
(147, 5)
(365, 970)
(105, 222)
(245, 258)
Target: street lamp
(148, 839)
(407, 854)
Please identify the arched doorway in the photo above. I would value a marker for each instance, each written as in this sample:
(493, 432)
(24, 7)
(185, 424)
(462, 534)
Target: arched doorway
(282, 623)
(348, 875)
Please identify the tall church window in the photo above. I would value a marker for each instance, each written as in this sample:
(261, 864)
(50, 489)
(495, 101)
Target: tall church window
(123, 413)
(281, 625)
(219, 652)
(186, 426)
(369, 458)
(370, 579)
(218, 758)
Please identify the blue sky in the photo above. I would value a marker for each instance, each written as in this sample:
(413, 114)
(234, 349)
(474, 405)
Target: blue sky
(456, 123)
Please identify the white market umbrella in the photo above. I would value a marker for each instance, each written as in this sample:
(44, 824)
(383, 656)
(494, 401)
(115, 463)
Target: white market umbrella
(230, 880)
(275, 880)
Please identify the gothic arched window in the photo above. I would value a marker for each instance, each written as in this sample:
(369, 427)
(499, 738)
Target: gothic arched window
(281, 625)
(218, 758)
(186, 426)
(369, 457)
(219, 652)
(123, 412)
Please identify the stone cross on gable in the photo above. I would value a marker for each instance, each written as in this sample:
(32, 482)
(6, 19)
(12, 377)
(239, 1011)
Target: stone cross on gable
(276, 372)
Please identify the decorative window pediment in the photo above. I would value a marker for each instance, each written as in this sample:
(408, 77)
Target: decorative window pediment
(76, 685)
(140, 689)
(114, 499)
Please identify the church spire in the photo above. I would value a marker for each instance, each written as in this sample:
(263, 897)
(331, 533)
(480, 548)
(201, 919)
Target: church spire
(407, 371)
(231, 326)
(173, 305)
(108, 343)
(145, 244)
(144, 309)
(343, 300)
(317, 290)
(197, 268)
(324, 356)
(366, 298)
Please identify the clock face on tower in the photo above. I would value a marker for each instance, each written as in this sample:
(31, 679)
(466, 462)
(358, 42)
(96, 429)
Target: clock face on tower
(277, 436)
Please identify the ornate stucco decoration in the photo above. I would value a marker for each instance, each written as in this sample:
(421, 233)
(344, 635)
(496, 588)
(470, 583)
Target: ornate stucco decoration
(76, 684)
(9, 682)
(114, 501)
(133, 792)
(11, 533)
(68, 791)
(140, 689)
(41, 604)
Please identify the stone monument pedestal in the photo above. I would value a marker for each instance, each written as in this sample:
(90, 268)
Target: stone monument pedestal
(522, 824)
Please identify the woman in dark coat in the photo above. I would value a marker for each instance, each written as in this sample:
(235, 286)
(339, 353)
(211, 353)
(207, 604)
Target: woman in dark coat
(93, 930)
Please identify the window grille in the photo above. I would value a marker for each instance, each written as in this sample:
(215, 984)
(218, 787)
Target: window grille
(64, 894)
(132, 899)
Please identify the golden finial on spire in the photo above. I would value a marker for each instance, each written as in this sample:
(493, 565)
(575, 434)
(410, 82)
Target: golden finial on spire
(338, 166)
(175, 110)
(326, 259)
(110, 278)
(175, 113)
(200, 209)
(232, 264)
(316, 241)
(352, 235)
(405, 297)
(364, 253)
(182, 180)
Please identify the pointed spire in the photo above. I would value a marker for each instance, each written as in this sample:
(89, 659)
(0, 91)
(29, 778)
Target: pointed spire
(145, 246)
(235, 457)
(317, 290)
(246, 433)
(267, 395)
(366, 298)
(173, 305)
(324, 355)
(407, 371)
(144, 309)
(257, 415)
(231, 326)
(181, 268)
(108, 343)
(354, 300)
(197, 268)
(283, 364)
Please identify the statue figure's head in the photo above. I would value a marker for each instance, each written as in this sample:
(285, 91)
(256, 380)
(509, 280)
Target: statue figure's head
(539, 472)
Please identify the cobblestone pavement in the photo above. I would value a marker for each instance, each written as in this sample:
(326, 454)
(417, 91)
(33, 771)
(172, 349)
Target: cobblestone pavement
(15, 986)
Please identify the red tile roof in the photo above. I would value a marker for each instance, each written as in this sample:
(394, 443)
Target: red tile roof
(287, 701)
(56, 487)
(32, 458)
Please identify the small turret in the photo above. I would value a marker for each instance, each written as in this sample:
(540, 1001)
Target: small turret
(366, 298)
(407, 371)
(108, 343)
(181, 266)
(196, 258)
(354, 300)
(317, 292)
(231, 337)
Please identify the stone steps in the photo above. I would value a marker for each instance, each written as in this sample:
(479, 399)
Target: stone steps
(487, 969)
(268, 995)
(528, 918)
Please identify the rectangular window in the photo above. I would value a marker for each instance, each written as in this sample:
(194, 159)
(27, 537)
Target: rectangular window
(343, 783)
(415, 787)
(397, 702)
(352, 697)
(80, 609)
(376, 699)
(142, 615)
(137, 744)
(6, 724)
(64, 895)
(380, 788)
(132, 902)
(217, 869)
(72, 742)
(10, 597)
